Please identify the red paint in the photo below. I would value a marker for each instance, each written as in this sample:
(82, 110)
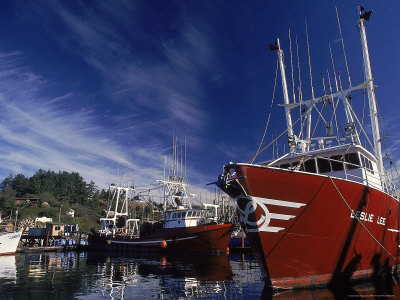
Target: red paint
(323, 241)
(210, 238)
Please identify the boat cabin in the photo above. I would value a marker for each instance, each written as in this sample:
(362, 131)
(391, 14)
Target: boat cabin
(191, 217)
(351, 162)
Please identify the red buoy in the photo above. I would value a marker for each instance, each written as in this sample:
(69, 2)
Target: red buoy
(164, 244)
(163, 262)
(227, 250)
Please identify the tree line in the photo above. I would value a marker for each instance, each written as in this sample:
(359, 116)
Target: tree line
(63, 187)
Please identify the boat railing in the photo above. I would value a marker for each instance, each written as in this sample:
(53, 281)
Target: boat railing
(390, 186)
(351, 171)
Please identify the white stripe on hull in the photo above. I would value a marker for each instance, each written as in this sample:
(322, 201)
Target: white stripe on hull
(279, 202)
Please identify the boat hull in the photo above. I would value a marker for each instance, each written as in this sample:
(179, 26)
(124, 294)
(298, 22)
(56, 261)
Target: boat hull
(202, 238)
(9, 242)
(309, 230)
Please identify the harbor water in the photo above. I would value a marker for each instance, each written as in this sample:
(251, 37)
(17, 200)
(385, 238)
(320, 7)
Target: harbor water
(89, 275)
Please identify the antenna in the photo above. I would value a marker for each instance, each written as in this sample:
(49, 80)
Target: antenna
(298, 68)
(300, 91)
(333, 102)
(185, 158)
(172, 157)
(312, 88)
(344, 52)
(291, 64)
(176, 157)
(181, 161)
(333, 67)
(309, 62)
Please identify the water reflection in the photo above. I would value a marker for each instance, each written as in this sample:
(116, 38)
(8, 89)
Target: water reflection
(8, 269)
(162, 276)
(72, 275)
(386, 286)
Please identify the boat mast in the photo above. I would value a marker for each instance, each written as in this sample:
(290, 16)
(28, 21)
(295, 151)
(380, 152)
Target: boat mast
(309, 111)
(370, 88)
(289, 125)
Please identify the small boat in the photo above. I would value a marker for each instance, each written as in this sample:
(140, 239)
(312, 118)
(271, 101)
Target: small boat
(326, 212)
(9, 242)
(183, 228)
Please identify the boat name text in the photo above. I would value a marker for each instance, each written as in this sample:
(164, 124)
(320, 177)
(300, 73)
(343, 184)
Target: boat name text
(368, 217)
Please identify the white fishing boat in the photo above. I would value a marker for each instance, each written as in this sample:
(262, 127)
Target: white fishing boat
(9, 242)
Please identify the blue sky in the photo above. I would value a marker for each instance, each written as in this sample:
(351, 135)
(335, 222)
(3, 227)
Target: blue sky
(100, 87)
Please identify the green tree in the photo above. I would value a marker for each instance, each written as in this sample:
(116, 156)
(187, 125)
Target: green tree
(21, 185)
(7, 198)
(49, 198)
(6, 182)
(43, 181)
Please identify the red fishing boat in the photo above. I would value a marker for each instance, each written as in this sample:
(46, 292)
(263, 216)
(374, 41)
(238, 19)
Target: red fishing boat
(183, 228)
(326, 212)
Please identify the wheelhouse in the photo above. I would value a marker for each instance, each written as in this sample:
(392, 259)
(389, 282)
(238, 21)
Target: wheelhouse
(190, 217)
(350, 162)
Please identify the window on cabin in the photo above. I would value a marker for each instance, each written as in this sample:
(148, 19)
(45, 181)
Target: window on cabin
(189, 214)
(367, 164)
(353, 161)
(323, 165)
(174, 215)
(184, 214)
(371, 166)
(336, 162)
(363, 162)
(309, 165)
(285, 166)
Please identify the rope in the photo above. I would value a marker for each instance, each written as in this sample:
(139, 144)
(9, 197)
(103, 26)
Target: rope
(270, 110)
(359, 221)
(263, 149)
(319, 118)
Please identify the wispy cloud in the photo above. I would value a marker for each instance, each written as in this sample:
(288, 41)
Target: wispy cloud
(152, 85)
(38, 130)
(153, 70)
(35, 133)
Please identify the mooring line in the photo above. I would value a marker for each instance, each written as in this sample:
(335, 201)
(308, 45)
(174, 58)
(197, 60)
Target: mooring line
(359, 221)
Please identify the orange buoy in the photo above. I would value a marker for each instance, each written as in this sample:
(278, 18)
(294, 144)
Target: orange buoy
(163, 262)
(164, 244)
(227, 250)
